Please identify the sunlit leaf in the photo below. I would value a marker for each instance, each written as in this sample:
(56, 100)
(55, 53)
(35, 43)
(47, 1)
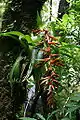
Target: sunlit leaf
(65, 19)
(27, 118)
(16, 33)
(28, 38)
(18, 36)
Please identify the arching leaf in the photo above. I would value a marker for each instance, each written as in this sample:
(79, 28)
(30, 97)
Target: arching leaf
(40, 116)
(27, 118)
(15, 71)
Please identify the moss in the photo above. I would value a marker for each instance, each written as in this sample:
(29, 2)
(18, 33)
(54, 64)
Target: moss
(21, 15)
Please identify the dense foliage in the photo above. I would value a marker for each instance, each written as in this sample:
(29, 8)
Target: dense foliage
(50, 61)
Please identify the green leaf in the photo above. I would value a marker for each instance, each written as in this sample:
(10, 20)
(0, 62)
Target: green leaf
(71, 104)
(76, 97)
(15, 71)
(22, 39)
(12, 33)
(28, 38)
(27, 118)
(72, 109)
(31, 66)
(15, 33)
(65, 19)
(40, 116)
(54, 112)
(39, 20)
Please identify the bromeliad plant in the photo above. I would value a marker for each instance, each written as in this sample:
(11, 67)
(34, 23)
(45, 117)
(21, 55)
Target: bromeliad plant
(40, 60)
(49, 59)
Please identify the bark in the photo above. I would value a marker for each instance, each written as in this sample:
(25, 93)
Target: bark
(63, 6)
(20, 16)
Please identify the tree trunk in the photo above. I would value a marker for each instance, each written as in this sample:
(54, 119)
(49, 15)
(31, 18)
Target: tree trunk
(20, 16)
(63, 5)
